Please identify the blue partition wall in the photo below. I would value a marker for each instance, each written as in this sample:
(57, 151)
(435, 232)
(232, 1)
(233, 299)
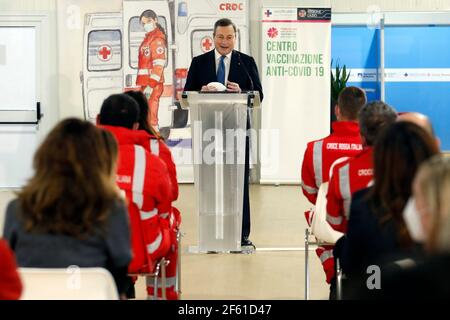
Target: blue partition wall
(358, 47)
(414, 48)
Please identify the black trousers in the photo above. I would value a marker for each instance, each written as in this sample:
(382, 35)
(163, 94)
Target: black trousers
(246, 209)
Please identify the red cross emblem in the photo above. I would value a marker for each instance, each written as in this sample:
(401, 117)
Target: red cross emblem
(104, 53)
(207, 44)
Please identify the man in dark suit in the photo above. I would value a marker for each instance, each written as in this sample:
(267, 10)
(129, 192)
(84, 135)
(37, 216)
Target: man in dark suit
(238, 72)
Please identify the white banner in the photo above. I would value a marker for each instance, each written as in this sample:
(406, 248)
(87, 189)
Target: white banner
(296, 51)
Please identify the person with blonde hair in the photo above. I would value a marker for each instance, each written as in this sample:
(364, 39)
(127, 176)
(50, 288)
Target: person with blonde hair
(70, 212)
(431, 191)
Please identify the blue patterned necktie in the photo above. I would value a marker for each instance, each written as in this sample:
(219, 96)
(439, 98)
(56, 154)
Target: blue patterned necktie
(221, 71)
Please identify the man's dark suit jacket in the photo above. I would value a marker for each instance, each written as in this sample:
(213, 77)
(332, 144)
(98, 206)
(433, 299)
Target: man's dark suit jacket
(203, 71)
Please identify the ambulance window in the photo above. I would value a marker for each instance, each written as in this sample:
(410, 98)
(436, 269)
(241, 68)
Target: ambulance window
(104, 50)
(202, 41)
(137, 35)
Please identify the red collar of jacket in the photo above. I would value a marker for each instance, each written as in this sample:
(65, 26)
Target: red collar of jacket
(128, 136)
(345, 128)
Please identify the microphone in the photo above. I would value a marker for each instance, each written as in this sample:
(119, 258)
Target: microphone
(246, 71)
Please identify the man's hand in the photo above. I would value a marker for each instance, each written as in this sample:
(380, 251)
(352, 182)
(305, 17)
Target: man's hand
(208, 88)
(233, 87)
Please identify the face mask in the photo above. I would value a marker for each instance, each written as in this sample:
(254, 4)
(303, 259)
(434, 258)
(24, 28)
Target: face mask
(149, 27)
(412, 220)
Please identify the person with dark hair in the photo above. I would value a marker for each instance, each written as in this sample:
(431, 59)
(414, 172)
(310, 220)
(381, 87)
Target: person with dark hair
(70, 212)
(152, 141)
(428, 222)
(119, 110)
(156, 146)
(377, 233)
(144, 123)
(145, 180)
(152, 61)
(10, 283)
(345, 141)
(236, 71)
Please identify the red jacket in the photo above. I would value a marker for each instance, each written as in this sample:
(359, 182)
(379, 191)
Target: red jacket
(10, 284)
(160, 149)
(347, 178)
(145, 180)
(152, 59)
(345, 141)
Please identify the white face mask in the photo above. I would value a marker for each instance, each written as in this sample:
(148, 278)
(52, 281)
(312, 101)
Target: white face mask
(149, 27)
(412, 220)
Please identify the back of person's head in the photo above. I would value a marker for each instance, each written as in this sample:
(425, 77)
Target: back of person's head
(73, 186)
(398, 152)
(119, 110)
(350, 102)
(432, 189)
(373, 116)
(421, 120)
(141, 100)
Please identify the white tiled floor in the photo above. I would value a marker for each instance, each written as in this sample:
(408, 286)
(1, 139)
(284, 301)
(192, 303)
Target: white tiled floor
(277, 222)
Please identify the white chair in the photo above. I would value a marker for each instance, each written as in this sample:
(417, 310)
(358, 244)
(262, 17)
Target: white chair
(324, 234)
(72, 283)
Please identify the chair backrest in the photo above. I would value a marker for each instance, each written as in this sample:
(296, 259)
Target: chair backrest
(320, 228)
(72, 283)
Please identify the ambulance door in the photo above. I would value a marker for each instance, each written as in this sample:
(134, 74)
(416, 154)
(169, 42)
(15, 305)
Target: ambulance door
(102, 60)
(134, 34)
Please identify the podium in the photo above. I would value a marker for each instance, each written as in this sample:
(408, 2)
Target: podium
(218, 126)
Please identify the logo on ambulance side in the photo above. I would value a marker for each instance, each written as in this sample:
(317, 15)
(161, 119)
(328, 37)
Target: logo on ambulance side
(104, 53)
(207, 44)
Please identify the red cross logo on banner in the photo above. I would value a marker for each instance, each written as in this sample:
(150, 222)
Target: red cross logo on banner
(272, 32)
(104, 53)
(207, 44)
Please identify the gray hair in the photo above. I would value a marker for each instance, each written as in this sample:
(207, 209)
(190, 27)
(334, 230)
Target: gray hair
(374, 116)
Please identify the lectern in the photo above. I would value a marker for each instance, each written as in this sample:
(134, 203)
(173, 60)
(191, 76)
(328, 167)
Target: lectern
(218, 126)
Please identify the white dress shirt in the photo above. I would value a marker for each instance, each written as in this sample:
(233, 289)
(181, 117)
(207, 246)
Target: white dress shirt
(226, 61)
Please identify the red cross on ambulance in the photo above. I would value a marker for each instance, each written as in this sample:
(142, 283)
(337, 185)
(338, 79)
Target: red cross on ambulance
(207, 44)
(104, 53)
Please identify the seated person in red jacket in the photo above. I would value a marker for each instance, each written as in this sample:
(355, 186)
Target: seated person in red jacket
(154, 144)
(144, 178)
(344, 141)
(10, 284)
(71, 212)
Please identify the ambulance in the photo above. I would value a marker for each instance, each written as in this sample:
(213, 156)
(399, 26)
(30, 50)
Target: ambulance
(112, 40)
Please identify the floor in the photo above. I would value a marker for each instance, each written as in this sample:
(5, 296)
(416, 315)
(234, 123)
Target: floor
(275, 271)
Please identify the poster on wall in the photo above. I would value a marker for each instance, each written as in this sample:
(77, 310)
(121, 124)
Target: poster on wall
(296, 50)
(148, 45)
